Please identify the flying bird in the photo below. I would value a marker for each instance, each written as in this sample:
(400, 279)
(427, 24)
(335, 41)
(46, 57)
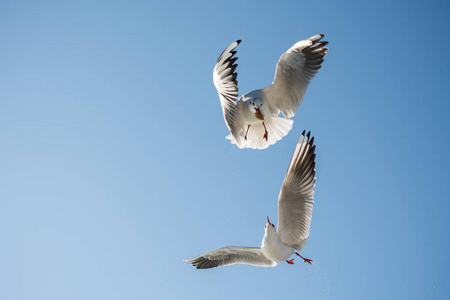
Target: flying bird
(295, 205)
(253, 119)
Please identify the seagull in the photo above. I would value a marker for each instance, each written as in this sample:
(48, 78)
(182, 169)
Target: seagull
(295, 204)
(253, 119)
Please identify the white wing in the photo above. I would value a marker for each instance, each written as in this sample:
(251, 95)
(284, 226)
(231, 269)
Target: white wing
(294, 72)
(224, 77)
(296, 199)
(231, 255)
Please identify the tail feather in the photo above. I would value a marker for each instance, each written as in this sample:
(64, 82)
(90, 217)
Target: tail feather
(277, 128)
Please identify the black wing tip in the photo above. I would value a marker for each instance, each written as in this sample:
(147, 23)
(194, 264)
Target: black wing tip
(306, 137)
(318, 43)
(309, 139)
(316, 38)
(200, 262)
(229, 50)
(303, 159)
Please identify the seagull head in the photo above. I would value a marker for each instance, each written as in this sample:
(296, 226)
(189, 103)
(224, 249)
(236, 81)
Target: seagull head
(256, 105)
(269, 227)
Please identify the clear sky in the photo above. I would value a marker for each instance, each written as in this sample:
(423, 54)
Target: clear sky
(114, 165)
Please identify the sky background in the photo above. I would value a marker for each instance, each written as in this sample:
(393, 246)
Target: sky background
(114, 165)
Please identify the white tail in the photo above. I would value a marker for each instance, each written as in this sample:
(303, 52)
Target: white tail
(277, 127)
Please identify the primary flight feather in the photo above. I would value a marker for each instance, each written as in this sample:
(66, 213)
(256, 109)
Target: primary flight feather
(253, 119)
(295, 204)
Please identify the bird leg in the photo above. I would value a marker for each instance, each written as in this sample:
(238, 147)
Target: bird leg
(248, 127)
(291, 262)
(304, 259)
(266, 133)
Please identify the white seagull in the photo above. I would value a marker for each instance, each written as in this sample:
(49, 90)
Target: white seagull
(295, 204)
(253, 119)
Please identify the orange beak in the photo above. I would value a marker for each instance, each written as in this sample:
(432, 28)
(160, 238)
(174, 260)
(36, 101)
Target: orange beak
(268, 220)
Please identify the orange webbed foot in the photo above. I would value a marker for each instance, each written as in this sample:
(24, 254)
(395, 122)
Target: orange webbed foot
(304, 259)
(266, 133)
(248, 127)
(291, 262)
(307, 260)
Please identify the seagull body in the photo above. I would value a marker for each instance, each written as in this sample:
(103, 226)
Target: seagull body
(295, 204)
(272, 247)
(253, 119)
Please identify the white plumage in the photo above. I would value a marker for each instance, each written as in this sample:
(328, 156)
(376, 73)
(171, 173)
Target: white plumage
(253, 119)
(295, 204)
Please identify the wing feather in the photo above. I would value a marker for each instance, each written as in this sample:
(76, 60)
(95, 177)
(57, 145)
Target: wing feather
(231, 255)
(296, 199)
(295, 70)
(224, 77)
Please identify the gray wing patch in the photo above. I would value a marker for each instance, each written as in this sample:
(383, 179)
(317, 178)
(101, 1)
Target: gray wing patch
(224, 77)
(231, 255)
(295, 70)
(296, 199)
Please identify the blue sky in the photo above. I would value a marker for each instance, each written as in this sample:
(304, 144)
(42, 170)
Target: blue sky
(114, 165)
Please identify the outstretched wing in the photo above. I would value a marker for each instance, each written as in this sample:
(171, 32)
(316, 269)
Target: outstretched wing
(296, 199)
(224, 77)
(294, 72)
(231, 255)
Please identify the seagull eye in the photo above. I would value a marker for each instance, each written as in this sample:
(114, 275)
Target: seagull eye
(273, 226)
